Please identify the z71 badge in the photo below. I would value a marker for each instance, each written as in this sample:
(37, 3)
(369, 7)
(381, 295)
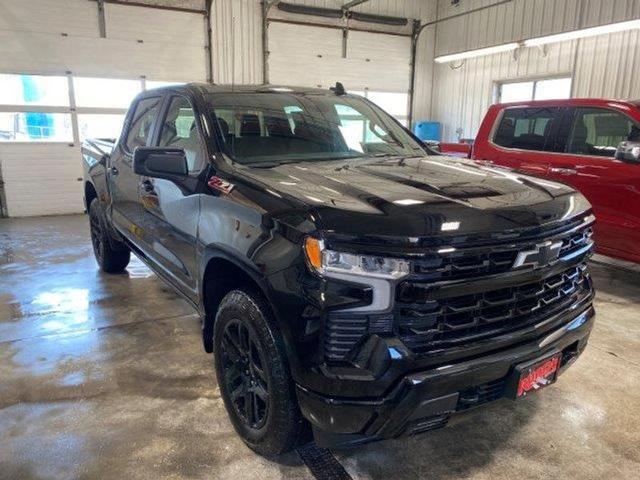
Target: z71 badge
(221, 185)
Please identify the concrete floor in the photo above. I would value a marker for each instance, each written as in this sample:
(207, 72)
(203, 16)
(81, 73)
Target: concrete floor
(104, 377)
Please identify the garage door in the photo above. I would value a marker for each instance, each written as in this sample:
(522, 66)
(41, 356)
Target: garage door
(48, 47)
(375, 64)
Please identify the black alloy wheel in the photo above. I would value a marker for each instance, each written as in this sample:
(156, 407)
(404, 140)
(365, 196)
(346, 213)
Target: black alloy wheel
(112, 255)
(243, 370)
(97, 236)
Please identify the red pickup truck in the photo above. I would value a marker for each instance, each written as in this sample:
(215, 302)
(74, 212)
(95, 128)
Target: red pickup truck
(591, 144)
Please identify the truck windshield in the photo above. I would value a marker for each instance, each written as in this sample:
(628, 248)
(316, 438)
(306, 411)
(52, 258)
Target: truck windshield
(270, 128)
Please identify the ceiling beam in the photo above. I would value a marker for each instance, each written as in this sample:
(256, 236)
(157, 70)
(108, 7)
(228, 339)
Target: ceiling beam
(353, 3)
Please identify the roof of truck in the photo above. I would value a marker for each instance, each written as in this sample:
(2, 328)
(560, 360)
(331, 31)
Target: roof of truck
(569, 102)
(205, 88)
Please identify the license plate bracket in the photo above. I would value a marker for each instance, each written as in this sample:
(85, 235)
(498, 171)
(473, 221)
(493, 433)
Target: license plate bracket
(530, 377)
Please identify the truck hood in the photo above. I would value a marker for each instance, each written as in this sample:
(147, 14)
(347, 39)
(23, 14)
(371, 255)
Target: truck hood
(418, 196)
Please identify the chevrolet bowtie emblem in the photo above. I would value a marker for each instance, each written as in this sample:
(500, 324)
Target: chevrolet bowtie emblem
(543, 254)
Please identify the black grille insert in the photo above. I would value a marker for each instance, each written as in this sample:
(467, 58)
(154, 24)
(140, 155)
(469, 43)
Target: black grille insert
(434, 324)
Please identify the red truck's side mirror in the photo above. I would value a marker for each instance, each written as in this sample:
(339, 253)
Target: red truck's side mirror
(154, 162)
(628, 152)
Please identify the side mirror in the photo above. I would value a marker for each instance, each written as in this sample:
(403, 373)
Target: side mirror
(155, 162)
(628, 152)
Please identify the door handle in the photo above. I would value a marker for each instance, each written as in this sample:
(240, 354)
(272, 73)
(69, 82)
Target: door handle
(563, 170)
(113, 171)
(147, 186)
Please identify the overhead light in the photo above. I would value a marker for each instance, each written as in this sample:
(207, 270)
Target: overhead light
(507, 47)
(408, 201)
(585, 32)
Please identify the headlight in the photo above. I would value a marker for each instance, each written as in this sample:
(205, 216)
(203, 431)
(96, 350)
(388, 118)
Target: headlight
(328, 261)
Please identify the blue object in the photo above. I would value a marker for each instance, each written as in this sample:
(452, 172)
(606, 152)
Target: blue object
(39, 125)
(428, 131)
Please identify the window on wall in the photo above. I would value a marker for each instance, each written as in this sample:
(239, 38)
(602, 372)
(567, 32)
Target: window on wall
(35, 127)
(34, 108)
(32, 90)
(543, 89)
(100, 125)
(37, 108)
(105, 92)
(395, 104)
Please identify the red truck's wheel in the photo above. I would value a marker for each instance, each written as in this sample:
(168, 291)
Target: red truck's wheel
(253, 375)
(110, 259)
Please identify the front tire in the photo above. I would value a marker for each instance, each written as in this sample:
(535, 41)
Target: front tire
(112, 256)
(253, 375)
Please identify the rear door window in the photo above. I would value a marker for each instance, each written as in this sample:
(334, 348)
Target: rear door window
(598, 131)
(145, 113)
(527, 129)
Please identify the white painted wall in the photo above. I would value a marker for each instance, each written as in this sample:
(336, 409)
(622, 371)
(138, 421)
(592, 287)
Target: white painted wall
(602, 66)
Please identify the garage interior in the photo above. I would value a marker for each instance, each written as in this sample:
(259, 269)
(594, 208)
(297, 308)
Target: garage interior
(105, 377)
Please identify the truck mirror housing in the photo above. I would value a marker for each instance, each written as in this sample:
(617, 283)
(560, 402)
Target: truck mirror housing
(628, 152)
(157, 162)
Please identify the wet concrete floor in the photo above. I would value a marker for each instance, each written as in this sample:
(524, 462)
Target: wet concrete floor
(104, 377)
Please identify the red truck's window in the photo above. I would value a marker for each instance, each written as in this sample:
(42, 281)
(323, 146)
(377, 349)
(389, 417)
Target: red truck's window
(526, 129)
(598, 131)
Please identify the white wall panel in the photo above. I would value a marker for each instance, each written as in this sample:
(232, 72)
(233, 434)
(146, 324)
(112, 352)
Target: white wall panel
(125, 22)
(504, 23)
(41, 179)
(237, 41)
(424, 76)
(100, 57)
(73, 17)
(312, 57)
(607, 66)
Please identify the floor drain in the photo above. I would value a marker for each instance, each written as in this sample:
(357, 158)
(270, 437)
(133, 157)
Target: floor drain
(321, 462)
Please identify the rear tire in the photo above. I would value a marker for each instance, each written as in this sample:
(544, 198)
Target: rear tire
(253, 375)
(112, 256)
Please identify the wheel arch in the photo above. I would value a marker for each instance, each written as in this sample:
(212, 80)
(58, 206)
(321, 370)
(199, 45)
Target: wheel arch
(221, 274)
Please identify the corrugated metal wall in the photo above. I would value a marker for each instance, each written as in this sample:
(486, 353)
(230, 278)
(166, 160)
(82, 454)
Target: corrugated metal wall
(237, 41)
(601, 66)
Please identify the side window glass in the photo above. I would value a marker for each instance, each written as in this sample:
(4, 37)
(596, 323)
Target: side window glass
(140, 125)
(526, 129)
(179, 130)
(597, 131)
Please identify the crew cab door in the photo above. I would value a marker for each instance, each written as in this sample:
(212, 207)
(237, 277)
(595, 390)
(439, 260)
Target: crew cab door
(522, 138)
(123, 183)
(171, 209)
(590, 136)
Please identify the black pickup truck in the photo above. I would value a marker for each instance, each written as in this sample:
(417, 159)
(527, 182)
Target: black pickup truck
(348, 277)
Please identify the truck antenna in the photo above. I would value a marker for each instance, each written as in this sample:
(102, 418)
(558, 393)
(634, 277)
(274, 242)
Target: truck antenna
(338, 89)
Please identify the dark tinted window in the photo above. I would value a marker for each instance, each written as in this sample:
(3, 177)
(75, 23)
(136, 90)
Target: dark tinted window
(141, 122)
(597, 131)
(179, 131)
(526, 128)
(274, 127)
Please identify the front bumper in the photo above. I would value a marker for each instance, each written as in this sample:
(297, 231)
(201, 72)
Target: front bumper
(425, 400)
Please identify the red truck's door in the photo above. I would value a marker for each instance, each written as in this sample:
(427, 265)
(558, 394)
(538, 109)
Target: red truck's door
(519, 138)
(590, 136)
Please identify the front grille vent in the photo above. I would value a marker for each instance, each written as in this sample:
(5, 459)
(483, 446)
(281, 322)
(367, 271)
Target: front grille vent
(426, 325)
